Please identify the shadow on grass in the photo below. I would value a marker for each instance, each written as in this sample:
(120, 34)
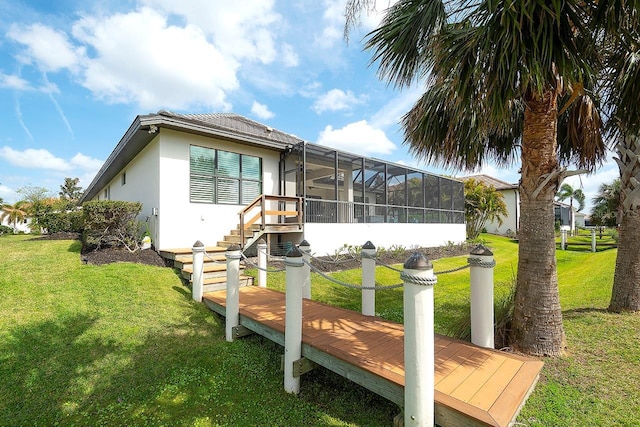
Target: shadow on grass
(577, 312)
(57, 372)
(75, 247)
(38, 367)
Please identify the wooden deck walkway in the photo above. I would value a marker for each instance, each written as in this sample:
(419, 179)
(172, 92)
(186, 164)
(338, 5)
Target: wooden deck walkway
(473, 385)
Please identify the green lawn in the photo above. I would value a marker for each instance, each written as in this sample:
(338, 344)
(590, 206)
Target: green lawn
(124, 344)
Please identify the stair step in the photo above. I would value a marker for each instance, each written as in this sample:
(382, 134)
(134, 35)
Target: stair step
(173, 253)
(219, 285)
(208, 267)
(232, 239)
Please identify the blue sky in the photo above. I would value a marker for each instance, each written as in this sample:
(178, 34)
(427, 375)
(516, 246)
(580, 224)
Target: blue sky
(74, 74)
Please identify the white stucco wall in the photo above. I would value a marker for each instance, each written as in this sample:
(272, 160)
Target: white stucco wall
(181, 223)
(140, 186)
(510, 222)
(326, 238)
(21, 226)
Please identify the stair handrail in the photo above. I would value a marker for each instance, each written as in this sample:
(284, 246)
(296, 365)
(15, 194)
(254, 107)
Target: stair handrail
(261, 202)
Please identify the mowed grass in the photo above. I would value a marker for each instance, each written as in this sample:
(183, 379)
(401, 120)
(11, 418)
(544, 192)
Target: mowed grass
(124, 344)
(597, 382)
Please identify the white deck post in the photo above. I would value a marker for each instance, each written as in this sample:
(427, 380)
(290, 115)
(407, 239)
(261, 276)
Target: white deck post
(593, 240)
(368, 279)
(197, 277)
(482, 315)
(293, 318)
(305, 248)
(262, 263)
(233, 289)
(419, 351)
(563, 240)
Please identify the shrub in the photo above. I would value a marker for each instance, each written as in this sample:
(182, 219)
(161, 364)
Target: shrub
(111, 223)
(56, 222)
(5, 230)
(503, 315)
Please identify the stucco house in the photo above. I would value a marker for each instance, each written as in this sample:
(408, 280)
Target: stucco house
(20, 226)
(200, 176)
(511, 197)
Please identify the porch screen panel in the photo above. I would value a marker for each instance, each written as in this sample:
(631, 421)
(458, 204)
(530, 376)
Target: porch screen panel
(202, 175)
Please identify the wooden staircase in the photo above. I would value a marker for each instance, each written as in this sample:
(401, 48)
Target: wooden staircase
(265, 216)
(215, 267)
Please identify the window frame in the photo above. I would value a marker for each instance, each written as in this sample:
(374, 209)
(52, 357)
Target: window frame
(216, 177)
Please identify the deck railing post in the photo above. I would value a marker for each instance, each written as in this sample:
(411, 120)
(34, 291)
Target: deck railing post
(233, 290)
(262, 263)
(197, 277)
(305, 248)
(593, 240)
(368, 279)
(419, 348)
(293, 318)
(563, 239)
(482, 315)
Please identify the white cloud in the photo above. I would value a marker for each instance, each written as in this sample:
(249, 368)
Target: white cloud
(86, 163)
(358, 137)
(7, 194)
(244, 30)
(34, 159)
(14, 82)
(49, 49)
(336, 100)
(139, 57)
(261, 111)
(289, 56)
(43, 159)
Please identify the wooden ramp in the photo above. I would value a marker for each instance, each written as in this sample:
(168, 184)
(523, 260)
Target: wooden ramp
(473, 385)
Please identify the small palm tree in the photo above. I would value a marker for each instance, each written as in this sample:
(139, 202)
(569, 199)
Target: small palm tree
(607, 209)
(482, 203)
(14, 214)
(568, 192)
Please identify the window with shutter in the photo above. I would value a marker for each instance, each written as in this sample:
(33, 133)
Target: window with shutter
(223, 177)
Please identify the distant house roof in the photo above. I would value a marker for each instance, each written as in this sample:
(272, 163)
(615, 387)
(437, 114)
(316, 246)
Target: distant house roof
(490, 181)
(226, 126)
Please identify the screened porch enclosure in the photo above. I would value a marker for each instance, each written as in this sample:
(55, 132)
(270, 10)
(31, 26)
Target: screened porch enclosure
(340, 187)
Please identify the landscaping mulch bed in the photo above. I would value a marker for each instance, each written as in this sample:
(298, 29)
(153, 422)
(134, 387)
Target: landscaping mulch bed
(109, 255)
(343, 262)
(328, 264)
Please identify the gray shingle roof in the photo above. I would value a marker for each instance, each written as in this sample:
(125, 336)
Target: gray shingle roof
(237, 124)
(490, 181)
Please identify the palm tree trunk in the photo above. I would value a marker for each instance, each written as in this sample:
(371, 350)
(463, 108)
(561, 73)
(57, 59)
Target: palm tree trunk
(626, 283)
(537, 319)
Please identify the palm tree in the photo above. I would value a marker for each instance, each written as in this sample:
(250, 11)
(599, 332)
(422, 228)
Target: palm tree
(14, 214)
(501, 78)
(606, 209)
(624, 127)
(568, 192)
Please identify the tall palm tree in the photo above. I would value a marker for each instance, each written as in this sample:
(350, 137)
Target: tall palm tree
(501, 77)
(568, 192)
(625, 130)
(14, 214)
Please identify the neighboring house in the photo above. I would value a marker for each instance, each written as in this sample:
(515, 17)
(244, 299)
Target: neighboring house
(511, 198)
(563, 216)
(198, 176)
(21, 226)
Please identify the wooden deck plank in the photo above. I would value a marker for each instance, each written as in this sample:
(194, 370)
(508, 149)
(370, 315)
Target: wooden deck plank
(474, 386)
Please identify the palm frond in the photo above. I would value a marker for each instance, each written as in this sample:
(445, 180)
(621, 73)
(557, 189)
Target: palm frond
(401, 45)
